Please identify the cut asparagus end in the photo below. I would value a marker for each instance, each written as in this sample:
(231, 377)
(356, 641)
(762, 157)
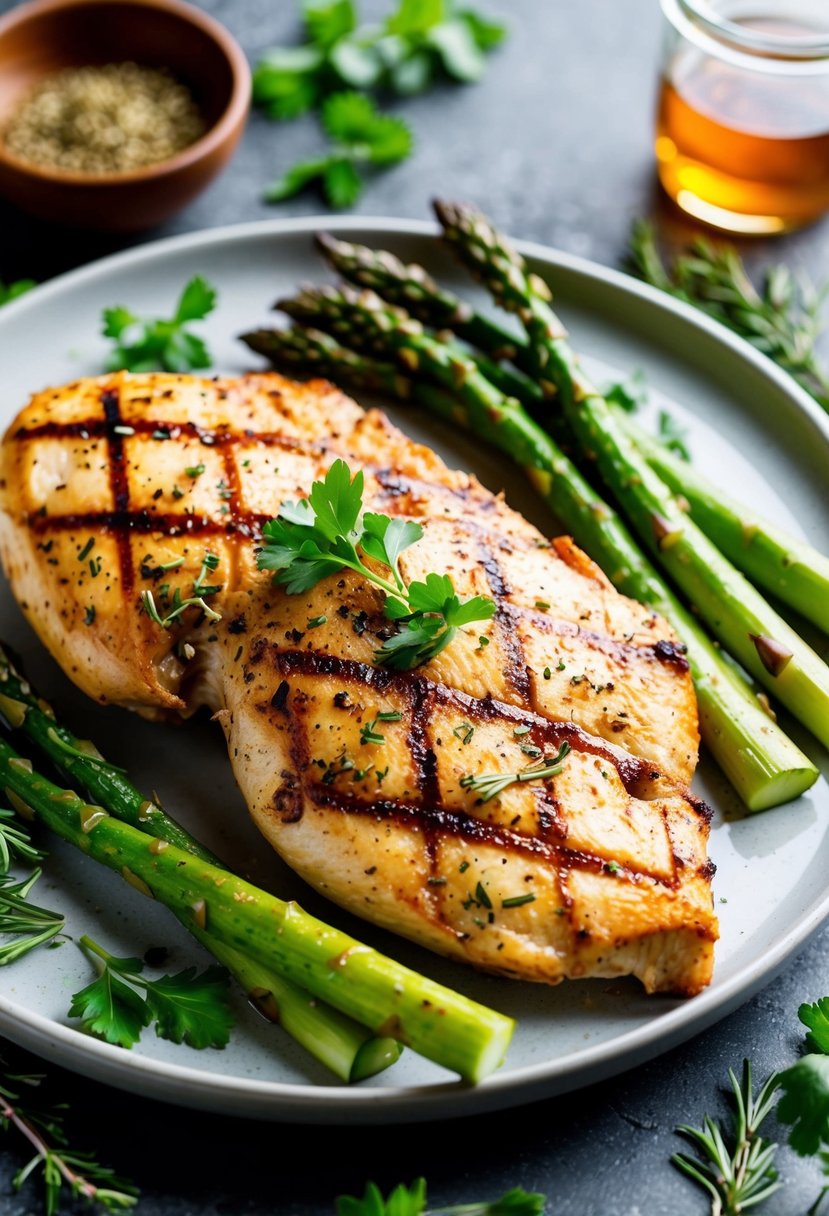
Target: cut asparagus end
(780, 788)
(373, 1057)
(350, 1051)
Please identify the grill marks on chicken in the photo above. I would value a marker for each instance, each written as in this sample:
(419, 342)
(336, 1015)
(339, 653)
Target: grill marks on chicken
(152, 469)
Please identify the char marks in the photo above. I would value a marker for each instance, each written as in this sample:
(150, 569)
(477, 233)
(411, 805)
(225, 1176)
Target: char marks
(426, 811)
(119, 483)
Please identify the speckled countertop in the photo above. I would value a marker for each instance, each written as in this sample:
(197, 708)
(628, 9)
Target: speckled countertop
(556, 145)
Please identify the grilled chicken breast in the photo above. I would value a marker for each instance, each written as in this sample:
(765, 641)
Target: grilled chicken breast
(123, 484)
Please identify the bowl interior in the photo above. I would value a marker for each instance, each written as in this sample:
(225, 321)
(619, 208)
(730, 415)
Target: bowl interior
(102, 32)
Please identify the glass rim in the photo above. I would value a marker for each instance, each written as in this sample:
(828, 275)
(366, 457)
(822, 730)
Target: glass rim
(699, 22)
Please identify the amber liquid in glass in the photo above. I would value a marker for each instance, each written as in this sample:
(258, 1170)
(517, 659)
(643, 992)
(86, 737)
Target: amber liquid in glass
(746, 151)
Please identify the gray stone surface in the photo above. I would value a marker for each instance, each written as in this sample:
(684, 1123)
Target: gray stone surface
(556, 145)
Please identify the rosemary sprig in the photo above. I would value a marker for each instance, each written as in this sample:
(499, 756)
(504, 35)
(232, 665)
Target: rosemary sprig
(781, 319)
(490, 785)
(735, 1167)
(26, 924)
(15, 841)
(61, 1167)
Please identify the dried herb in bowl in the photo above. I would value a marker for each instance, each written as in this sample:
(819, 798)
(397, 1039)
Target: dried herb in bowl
(111, 118)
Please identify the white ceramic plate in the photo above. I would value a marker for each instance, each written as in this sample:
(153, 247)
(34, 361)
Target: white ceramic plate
(749, 427)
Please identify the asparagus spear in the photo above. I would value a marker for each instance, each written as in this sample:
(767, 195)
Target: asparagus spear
(413, 288)
(392, 1001)
(351, 1051)
(764, 766)
(787, 567)
(745, 624)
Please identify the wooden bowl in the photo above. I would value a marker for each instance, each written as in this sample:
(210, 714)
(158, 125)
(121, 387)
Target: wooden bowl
(42, 37)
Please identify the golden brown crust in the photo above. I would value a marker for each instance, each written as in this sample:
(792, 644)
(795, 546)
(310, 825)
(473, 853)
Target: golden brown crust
(108, 484)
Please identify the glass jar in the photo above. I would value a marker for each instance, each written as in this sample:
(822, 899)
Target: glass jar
(742, 136)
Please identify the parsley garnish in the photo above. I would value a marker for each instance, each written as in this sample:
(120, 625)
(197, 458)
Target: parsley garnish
(186, 1007)
(492, 784)
(673, 435)
(416, 42)
(360, 136)
(11, 291)
(145, 345)
(194, 470)
(327, 532)
(411, 1201)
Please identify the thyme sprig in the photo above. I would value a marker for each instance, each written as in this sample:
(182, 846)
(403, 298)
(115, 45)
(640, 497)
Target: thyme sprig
(735, 1165)
(328, 532)
(198, 599)
(781, 319)
(61, 1168)
(490, 785)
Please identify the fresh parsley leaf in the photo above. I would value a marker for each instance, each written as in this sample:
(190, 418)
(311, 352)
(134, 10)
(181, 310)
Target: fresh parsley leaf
(117, 320)
(297, 178)
(487, 34)
(411, 1201)
(385, 538)
(631, 394)
(816, 1018)
(197, 300)
(804, 1104)
(157, 344)
(360, 135)
(314, 538)
(110, 1009)
(673, 436)
(341, 184)
(419, 39)
(186, 1008)
(337, 500)
(415, 17)
(327, 23)
(351, 119)
(287, 81)
(190, 1008)
(459, 53)
(12, 291)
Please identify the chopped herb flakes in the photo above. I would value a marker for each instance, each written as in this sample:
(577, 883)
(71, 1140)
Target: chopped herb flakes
(464, 732)
(482, 897)
(516, 901)
(369, 732)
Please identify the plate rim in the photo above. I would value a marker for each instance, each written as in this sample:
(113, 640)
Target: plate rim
(187, 1085)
